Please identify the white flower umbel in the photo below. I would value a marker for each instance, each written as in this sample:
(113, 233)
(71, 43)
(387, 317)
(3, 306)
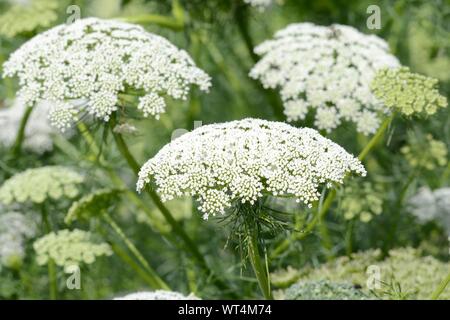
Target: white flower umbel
(38, 132)
(243, 160)
(96, 61)
(326, 69)
(157, 295)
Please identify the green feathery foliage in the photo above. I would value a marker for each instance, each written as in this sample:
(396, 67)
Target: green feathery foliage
(39, 184)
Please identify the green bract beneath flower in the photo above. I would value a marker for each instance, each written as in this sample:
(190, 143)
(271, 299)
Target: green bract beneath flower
(25, 16)
(325, 70)
(15, 229)
(408, 92)
(243, 161)
(94, 65)
(38, 185)
(68, 248)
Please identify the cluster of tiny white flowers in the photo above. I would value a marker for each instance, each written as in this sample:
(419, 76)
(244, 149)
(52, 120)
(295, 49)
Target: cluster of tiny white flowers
(69, 247)
(38, 132)
(428, 205)
(15, 228)
(157, 295)
(95, 60)
(328, 69)
(260, 4)
(244, 160)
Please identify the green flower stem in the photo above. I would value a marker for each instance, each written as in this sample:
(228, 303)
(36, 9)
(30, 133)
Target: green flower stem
(189, 244)
(241, 18)
(17, 146)
(255, 258)
(349, 238)
(441, 288)
(51, 267)
(136, 267)
(284, 245)
(158, 282)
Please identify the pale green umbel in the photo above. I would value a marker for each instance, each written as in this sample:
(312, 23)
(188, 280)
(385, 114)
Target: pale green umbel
(39, 184)
(69, 247)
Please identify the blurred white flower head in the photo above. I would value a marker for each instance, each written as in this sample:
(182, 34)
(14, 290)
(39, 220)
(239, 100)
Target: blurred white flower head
(38, 132)
(15, 229)
(102, 62)
(245, 160)
(326, 69)
(428, 205)
(157, 295)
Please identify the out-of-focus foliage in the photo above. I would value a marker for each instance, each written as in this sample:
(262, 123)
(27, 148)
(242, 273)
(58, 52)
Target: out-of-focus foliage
(368, 223)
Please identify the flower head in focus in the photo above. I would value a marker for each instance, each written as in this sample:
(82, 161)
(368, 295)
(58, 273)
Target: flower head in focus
(240, 161)
(325, 69)
(408, 92)
(427, 205)
(96, 66)
(69, 247)
(39, 184)
(38, 132)
(157, 295)
(15, 229)
(27, 15)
